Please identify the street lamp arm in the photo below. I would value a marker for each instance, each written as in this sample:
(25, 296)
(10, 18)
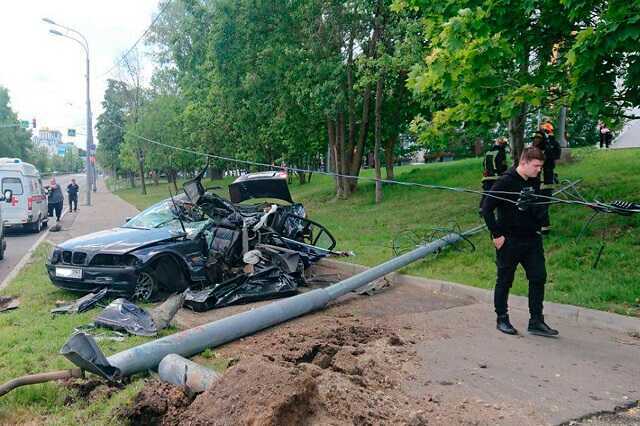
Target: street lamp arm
(86, 48)
(49, 21)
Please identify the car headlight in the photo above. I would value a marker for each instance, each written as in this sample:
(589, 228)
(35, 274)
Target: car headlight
(54, 256)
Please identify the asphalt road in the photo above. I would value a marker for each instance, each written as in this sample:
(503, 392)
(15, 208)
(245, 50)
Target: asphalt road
(20, 241)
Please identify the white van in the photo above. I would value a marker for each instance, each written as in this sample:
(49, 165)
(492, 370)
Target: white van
(29, 206)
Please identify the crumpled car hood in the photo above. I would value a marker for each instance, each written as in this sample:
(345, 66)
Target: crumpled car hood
(119, 240)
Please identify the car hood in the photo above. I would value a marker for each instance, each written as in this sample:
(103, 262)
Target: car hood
(119, 240)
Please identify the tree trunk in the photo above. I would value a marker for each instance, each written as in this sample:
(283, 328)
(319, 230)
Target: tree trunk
(562, 126)
(378, 137)
(132, 179)
(389, 156)
(342, 159)
(516, 133)
(156, 178)
(141, 164)
(332, 149)
(302, 178)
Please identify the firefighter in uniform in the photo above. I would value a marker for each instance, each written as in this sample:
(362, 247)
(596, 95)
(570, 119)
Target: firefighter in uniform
(546, 142)
(494, 165)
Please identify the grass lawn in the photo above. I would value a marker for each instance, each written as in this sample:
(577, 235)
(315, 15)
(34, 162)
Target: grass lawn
(31, 338)
(369, 229)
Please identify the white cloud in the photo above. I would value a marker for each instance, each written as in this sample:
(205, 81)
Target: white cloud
(45, 74)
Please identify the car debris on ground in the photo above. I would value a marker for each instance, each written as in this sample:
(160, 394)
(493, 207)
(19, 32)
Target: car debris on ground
(83, 304)
(9, 303)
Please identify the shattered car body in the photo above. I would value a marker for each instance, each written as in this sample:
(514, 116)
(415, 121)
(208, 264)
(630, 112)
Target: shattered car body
(195, 240)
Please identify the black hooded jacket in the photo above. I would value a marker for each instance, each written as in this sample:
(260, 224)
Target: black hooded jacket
(512, 221)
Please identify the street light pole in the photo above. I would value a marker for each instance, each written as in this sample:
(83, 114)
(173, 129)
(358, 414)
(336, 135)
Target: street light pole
(91, 184)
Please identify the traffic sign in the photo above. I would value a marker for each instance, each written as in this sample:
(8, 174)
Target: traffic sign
(71, 132)
(24, 124)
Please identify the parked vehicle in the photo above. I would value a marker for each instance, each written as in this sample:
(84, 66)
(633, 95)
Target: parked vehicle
(28, 206)
(196, 239)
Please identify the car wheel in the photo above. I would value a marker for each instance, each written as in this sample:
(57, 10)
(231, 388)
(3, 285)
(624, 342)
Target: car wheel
(36, 226)
(146, 286)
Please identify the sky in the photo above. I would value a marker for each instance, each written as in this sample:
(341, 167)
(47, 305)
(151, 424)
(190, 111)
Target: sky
(45, 73)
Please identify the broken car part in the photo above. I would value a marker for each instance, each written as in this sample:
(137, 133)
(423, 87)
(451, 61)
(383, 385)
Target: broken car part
(124, 315)
(8, 303)
(180, 371)
(81, 305)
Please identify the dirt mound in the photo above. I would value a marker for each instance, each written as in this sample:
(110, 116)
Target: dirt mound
(256, 392)
(340, 373)
(157, 404)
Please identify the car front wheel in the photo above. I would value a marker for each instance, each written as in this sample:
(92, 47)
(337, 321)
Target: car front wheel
(146, 286)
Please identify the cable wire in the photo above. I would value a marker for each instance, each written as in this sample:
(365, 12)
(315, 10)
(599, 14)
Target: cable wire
(144, 34)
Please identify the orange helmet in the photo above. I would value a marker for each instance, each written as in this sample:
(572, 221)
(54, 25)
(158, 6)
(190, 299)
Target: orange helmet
(547, 127)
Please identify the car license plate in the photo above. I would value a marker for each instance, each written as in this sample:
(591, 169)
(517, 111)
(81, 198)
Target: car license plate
(69, 273)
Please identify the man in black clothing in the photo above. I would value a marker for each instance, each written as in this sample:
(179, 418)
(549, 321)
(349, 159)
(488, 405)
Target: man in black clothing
(546, 142)
(72, 190)
(56, 199)
(494, 165)
(516, 236)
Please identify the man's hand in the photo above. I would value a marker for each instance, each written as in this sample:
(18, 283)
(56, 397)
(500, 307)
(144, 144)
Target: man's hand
(499, 242)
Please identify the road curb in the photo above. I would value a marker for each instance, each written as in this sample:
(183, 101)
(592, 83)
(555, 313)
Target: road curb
(582, 316)
(27, 256)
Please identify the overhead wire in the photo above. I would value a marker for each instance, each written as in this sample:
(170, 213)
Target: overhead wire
(144, 34)
(552, 199)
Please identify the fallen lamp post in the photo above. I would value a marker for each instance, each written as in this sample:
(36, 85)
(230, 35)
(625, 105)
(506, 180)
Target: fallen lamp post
(82, 350)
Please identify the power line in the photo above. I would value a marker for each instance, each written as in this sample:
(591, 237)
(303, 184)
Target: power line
(144, 34)
(604, 207)
(521, 202)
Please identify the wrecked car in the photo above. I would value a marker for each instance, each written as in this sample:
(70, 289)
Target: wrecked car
(196, 240)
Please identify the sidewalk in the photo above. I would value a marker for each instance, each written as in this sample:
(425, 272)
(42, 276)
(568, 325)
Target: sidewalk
(106, 211)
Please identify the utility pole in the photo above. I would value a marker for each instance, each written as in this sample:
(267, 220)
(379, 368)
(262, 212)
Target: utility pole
(91, 184)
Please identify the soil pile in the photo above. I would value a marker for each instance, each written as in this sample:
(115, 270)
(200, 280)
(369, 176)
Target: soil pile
(344, 373)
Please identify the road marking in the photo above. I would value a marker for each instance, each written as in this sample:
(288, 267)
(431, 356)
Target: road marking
(27, 256)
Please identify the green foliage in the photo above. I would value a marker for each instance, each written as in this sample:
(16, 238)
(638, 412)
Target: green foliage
(109, 124)
(14, 140)
(604, 60)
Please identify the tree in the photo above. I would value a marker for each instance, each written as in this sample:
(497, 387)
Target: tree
(14, 140)
(490, 62)
(110, 125)
(604, 61)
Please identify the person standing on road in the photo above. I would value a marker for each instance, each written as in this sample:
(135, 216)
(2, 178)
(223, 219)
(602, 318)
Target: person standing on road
(72, 190)
(516, 236)
(494, 165)
(56, 199)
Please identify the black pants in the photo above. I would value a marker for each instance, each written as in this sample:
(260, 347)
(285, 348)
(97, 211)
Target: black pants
(486, 186)
(57, 208)
(528, 252)
(73, 203)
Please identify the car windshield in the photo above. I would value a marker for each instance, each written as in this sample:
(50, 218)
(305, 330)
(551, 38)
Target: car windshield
(163, 215)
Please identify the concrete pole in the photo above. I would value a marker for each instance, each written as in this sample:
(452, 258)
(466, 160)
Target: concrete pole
(90, 184)
(193, 341)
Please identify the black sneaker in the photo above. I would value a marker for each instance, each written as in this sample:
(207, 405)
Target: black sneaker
(504, 325)
(540, 328)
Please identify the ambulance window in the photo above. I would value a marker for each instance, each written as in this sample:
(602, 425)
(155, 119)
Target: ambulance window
(14, 184)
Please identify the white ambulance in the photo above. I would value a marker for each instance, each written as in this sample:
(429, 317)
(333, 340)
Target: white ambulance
(28, 207)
